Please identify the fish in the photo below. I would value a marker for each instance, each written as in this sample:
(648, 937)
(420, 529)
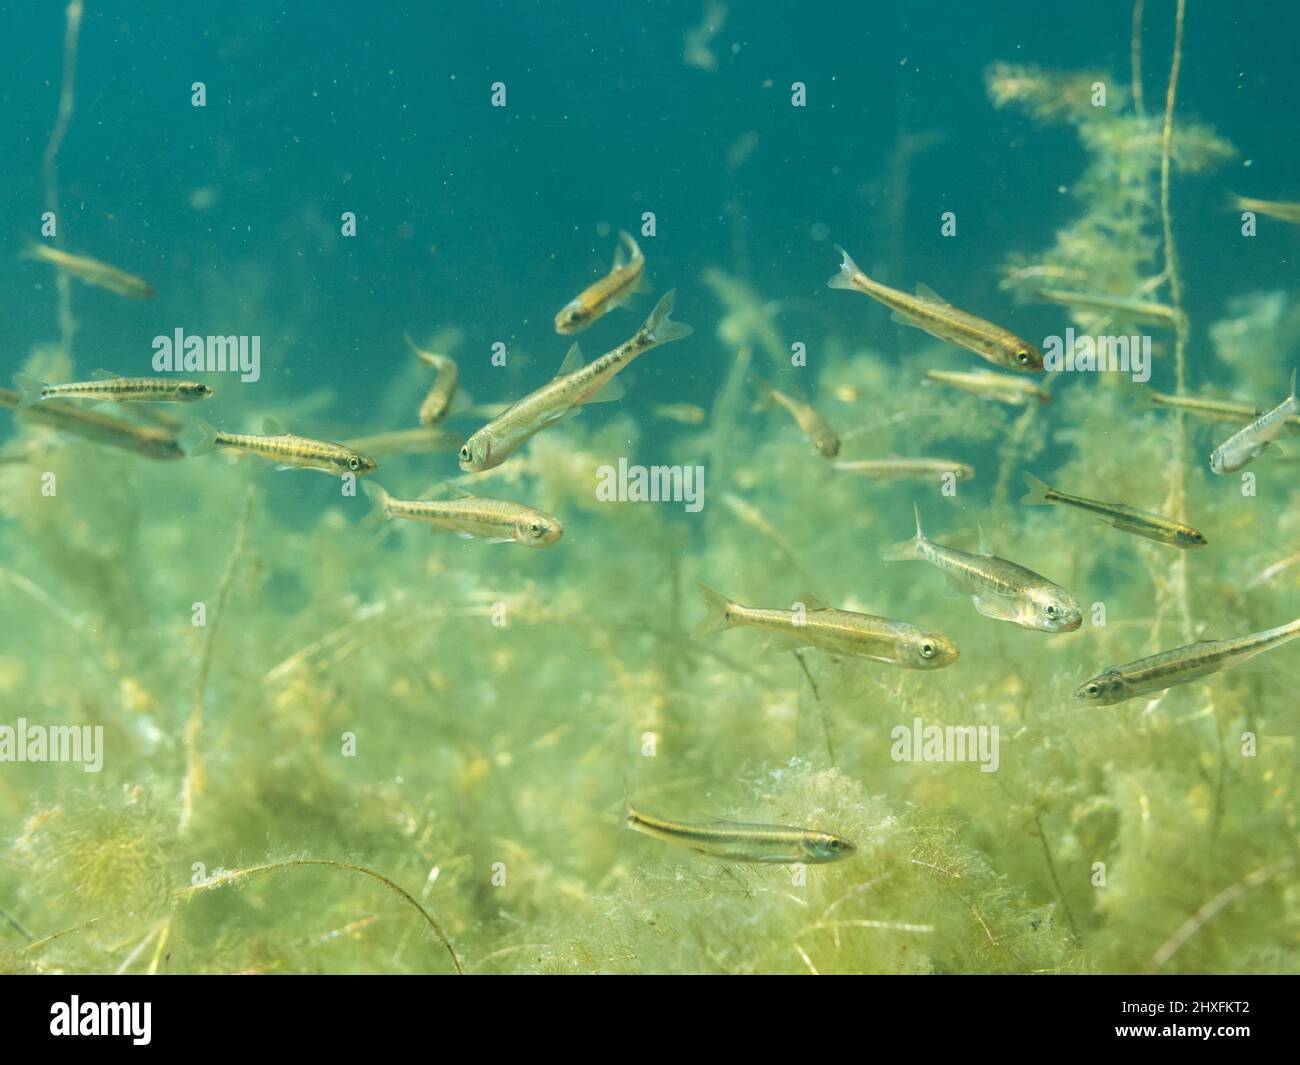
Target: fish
(766, 844)
(111, 388)
(470, 517)
(1282, 211)
(1119, 515)
(419, 441)
(686, 413)
(1219, 410)
(823, 438)
(1013, 391)
(895, 469)
(1179, 666)
(1249, 443)
(609, 292)
(288, 451)
(1136, 310)
(843, 632)
(998, 589)
(151, 441)
(92, 272)
(928, 311)
(565, 394)
(437, 404)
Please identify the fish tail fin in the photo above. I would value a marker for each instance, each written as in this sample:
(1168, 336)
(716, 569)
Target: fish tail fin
(1037, 494)
(379, 497)
(906, 551)
(1291, 396)
(629, 812)
(30, 389)
(848, 271)
(199, 438)
(719, 607)
(659, 328)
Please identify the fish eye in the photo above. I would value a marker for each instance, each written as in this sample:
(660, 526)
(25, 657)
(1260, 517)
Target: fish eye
(927, 650)
(354, 463)
(464, 453)
(1022, 356)
(1092, 689)
(1050, 610)
(535, 528)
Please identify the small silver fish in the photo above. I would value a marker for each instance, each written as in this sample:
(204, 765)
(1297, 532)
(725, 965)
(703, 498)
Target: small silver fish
(566, 393)
(285, 449)
(998, 589)
(498, 521)
(844, 632)
(1252, 441)
(766, 844)
(110, 387)
(1179, 666)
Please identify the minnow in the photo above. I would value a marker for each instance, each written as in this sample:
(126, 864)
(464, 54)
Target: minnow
(1179, 666)
(846, 632)
(928, 311)
(998, 589)
(565, 394)
(470, 517)
(609, 292)
(907, 469)
(824, 439)
(92, 272)
(109, 387)
(1281, 210)
(437, 404)
(288, 451)
(686, 413)
(1137, 310)
(1013, 391)
(419, 441)
(768, 844)
(1219, 410)
(1252, 441)
(1119, 515)
(152, 442)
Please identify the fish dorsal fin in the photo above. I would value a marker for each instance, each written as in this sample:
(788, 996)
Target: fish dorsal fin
(456, 491)
(104, 375)
(925, 292)
(627, 250)
(984, 548)
(572, 361)
(271, 427)
(812, 601)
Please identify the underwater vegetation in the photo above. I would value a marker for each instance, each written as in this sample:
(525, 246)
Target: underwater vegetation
(352, 726)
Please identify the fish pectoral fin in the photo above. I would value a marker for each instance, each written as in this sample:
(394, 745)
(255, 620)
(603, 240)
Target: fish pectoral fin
(1271, 447)
(954, 588)
(903, 319)
(999, 609)
(785, 641)
(572, 363)
(611, 391)
(559, 415)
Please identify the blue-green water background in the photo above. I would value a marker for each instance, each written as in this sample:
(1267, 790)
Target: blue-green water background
(487, 218)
